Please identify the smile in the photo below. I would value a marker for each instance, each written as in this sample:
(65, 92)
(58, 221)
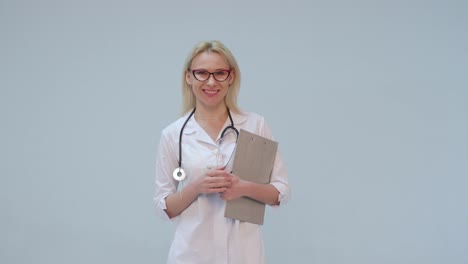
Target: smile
(210, 92)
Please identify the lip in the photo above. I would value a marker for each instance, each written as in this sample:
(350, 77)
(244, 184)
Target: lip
(210, 92)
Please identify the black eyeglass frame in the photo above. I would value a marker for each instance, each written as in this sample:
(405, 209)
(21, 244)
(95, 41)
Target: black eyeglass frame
(211, 73)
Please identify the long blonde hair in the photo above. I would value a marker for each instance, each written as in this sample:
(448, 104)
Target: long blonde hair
(188, 98)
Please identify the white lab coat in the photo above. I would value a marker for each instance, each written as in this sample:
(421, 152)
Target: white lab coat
(203, 235)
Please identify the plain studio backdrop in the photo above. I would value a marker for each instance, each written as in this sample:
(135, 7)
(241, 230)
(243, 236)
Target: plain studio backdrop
(368, 100)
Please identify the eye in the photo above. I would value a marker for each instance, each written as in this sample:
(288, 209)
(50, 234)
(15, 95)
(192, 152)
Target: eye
(221, 73)
(201, 72)
(201, 75)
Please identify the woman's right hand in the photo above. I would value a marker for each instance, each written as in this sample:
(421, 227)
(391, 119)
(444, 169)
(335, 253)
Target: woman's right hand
(214, 181)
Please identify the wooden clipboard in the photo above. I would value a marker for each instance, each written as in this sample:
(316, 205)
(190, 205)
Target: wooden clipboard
(253, 161)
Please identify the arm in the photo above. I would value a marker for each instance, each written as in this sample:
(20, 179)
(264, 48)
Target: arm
(264, 193)
(177, 202)
(215, 181)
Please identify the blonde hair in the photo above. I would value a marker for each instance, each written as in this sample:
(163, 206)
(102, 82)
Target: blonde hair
(188, 98)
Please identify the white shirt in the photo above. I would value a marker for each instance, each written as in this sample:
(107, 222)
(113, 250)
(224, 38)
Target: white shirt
(203, 235)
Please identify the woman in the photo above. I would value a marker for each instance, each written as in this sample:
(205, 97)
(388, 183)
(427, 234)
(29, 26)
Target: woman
(193, 194)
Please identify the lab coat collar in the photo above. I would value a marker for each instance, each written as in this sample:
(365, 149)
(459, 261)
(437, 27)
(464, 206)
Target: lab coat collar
(193, 127)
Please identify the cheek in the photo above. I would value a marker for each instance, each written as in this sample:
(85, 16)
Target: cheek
(195, 89)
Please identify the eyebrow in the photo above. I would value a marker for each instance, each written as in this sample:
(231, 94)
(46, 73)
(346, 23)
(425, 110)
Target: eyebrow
(203, 69)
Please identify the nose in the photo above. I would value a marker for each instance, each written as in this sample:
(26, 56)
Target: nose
(211, 80)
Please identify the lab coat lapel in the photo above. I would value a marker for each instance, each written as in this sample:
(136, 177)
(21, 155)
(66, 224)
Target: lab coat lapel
(193, 129)
(202, 136)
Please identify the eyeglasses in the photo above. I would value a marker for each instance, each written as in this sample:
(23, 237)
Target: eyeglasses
(204, 75)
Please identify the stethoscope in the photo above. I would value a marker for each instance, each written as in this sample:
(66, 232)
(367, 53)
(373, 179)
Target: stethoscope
(179, 173)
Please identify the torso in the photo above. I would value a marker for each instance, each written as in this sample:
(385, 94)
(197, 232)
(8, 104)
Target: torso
(203, 233)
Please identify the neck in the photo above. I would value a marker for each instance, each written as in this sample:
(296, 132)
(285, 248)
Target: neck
(219, 113)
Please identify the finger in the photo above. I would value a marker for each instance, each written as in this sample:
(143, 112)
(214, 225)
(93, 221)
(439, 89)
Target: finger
(219, 184)
(215, 179)
(216, 173)
(217, 190)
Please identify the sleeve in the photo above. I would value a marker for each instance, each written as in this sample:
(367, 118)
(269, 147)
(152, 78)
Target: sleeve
(279, 175)
(165, 184)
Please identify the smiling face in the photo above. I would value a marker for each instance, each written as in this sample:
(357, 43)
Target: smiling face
(209, 94)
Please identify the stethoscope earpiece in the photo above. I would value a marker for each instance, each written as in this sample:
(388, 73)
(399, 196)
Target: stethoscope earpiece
(179, 174)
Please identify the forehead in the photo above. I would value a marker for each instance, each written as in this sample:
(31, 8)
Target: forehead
(209, 60)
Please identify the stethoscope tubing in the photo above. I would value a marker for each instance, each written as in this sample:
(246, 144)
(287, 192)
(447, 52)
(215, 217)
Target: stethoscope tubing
(179, 173)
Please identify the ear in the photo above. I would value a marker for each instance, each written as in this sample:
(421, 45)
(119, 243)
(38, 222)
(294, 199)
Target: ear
(232, 77)
(188, 78)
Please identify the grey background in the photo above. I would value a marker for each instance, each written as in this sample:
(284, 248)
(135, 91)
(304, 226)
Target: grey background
(367, 99)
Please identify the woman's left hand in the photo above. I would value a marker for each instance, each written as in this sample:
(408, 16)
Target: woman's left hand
(235, 190)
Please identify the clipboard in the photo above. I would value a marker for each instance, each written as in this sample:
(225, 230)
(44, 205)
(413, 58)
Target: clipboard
(253, 161)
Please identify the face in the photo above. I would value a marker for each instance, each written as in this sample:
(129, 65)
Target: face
(209, 93)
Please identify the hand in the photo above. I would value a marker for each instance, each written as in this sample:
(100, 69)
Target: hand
(235, 190)
(215, 181)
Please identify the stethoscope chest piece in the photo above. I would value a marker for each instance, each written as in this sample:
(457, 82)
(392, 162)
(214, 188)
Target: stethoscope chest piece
(179, 174)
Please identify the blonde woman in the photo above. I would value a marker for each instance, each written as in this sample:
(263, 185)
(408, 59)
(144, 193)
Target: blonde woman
(193, 181)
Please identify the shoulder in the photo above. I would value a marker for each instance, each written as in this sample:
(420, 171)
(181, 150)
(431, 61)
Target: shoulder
(174, 128)
(248, 117)
(254, 122)
(255, 116)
